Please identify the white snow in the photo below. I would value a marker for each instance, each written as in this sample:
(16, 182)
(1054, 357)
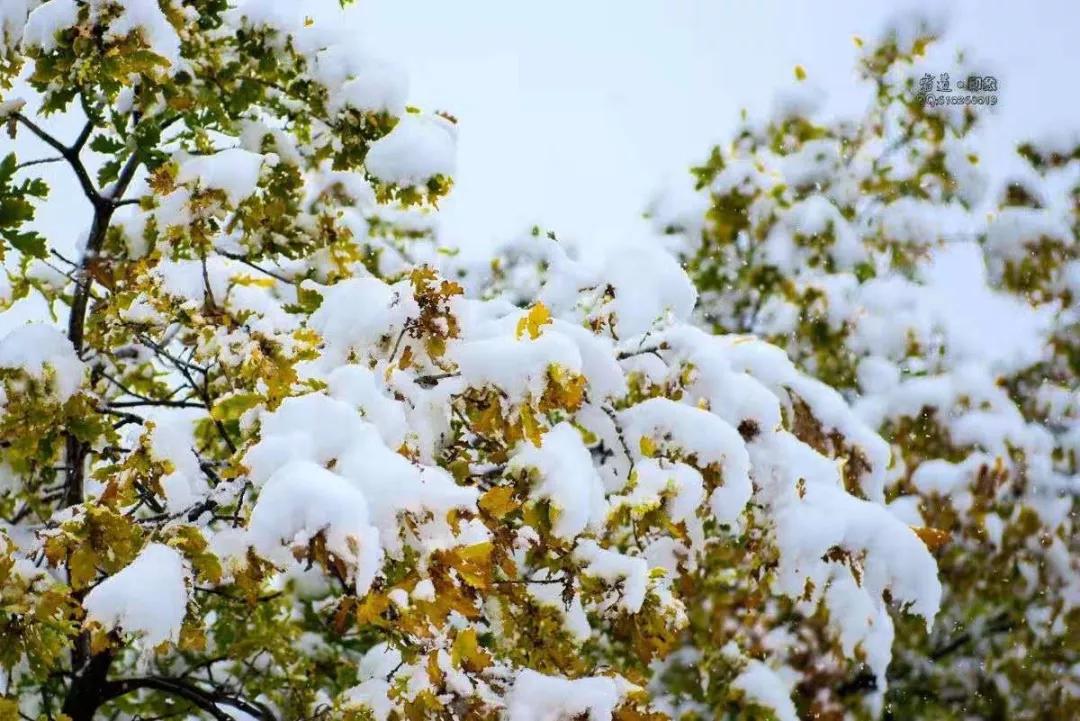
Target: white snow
(677, 485)
(13, 15)
(614, 567)
(416, 150)
(172, 442)
(44, 23)
(148, 597)
(312, 427)
(536, 697)
(566, 479)
(703, 435)
(234, 171)
(517, 365)
(136, 16)
(145, 17)
(385, 311)
(358, 387)
(36, 348)
(303, 499)
(648, 284)
(764, 687)
(377, 87)
(393, 485)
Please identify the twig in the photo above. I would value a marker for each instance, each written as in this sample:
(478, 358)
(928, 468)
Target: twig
(69, 154)
(255, 266)
(610, 413)
(40, 161)
(157, 404)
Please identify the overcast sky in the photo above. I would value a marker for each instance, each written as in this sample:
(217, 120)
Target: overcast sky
(574, 112)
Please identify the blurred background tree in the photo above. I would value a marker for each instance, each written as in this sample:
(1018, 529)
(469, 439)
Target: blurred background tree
(820, 236)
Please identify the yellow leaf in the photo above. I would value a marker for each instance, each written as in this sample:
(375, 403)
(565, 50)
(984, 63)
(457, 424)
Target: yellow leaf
(189, 541)
(934, 538)
(344, 612)
(99, 638)
(192, 638)
(82, 566)
(537, 317)
(371, 609)
(435, 347)
(9, 709)
(499, 501)
(253, 281)
(530, 427)
(565, 389)
(434, 672)
(466, 652)
(648, 447)
(800, 73)
(473, 564)
(450, 288)
(55, 550)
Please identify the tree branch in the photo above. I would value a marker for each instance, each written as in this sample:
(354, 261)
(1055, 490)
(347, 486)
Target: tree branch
(69, 154)
(207, 701)
(88, 689)
(127, 173)
(610, 413)
(197, 697)
(157, 404)
(84, 135)
(255, 266)
(40, 161)
(202, 391)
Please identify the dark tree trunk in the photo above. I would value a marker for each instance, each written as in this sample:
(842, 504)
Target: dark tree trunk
(89, 688)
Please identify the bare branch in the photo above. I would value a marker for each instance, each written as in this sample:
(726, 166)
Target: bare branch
(40, 161)
(68, 154)
(149, 402)
(125, 177)
(194, 695)
(255, 266)
(610, 413)
(84, 135)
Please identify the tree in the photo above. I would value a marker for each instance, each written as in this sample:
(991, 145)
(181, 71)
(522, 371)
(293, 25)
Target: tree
(816, 235)
(270, 464)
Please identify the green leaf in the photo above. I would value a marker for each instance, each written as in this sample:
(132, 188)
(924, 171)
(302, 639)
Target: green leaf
(307, 300)
(28, 243)
(109, 172)
(231, 408)
(7, 168)
(106, 145)
(14, 211)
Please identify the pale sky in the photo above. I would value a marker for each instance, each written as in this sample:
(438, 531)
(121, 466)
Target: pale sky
(574, 113)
